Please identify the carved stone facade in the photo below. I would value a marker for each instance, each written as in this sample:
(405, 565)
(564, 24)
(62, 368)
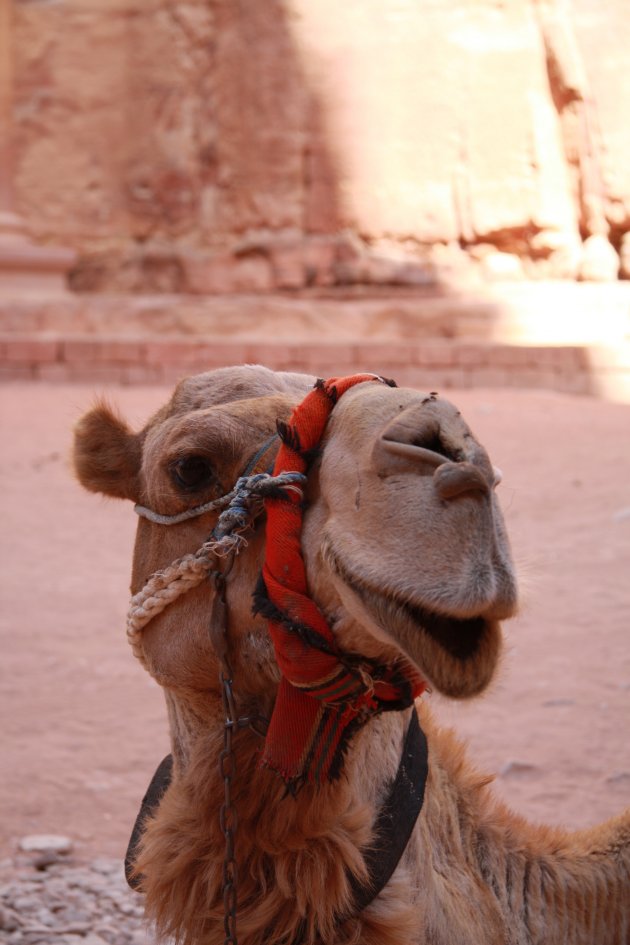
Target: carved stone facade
(208, 146)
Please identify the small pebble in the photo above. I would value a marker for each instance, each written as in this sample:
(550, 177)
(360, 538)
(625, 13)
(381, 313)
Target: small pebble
(46, 859)
(518, 769)
(45, 843)
(8, 920)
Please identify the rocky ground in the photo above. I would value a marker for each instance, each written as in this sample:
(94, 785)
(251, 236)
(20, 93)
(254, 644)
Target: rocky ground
(51, 899)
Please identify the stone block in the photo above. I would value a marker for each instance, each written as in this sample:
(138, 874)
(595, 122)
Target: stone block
(170, 351)
(226, 273)
(31, 350)
(17, 372)
(95, 373)
(472, 355)
(488, 376)
(512, 356)
(121, 351)
(58, 372)
(279, 356)
(325, 356)
(390, 353)
(222, 354)
(416, 378)
(80, 350)
(430, 355)
(142, 374)
(288, 267)
(452, 378)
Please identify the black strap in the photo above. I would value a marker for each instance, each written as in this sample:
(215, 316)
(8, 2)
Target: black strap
(155, 792)
(396, 818)
(392, 830)
(251, 465)
(394, 824)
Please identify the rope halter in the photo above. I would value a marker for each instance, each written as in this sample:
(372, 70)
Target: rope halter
(239, 509)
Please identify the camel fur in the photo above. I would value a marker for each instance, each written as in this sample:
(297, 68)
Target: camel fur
(407, 556)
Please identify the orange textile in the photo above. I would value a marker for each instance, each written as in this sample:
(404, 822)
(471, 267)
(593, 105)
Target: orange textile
(324, 695)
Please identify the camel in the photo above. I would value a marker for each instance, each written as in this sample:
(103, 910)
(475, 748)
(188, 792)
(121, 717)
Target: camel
(361, 559)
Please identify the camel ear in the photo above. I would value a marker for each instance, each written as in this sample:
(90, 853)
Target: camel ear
(107, 455)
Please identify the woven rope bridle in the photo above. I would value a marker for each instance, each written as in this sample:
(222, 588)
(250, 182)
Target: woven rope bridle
(239, 509)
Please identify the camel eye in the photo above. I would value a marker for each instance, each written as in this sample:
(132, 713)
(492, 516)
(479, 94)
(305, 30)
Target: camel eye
(191, 473)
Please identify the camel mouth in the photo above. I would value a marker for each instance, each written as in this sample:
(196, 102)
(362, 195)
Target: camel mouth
(457, 655)
(459, 637)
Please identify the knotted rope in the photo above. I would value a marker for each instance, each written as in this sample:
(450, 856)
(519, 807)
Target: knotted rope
(240, 507)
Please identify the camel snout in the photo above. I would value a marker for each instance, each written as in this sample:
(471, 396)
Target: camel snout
(455, 479)
(427, 437)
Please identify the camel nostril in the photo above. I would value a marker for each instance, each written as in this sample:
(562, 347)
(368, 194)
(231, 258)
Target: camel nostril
(424, 437)
(456, 479)
(419, 441)
(418, 454)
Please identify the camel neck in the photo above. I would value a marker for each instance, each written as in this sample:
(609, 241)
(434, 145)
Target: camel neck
(393, 827)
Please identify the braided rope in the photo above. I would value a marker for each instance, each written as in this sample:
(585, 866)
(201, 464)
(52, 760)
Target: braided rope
(187, 572)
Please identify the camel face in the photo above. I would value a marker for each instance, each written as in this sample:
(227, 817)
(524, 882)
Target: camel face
(403, 539)
(407, 528)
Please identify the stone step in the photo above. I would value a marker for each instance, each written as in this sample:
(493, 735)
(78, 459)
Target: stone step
(522, 312)
(425, 364)
(562, 336)
(343, 315)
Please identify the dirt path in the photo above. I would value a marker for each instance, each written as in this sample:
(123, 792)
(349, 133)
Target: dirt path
(83, 727)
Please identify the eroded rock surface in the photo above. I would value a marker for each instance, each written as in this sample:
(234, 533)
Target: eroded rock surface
(212, 147)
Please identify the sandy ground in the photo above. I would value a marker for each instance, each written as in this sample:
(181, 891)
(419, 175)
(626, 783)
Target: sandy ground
(83, 727)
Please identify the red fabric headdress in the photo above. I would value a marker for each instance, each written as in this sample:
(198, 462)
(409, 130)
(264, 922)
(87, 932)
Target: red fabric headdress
(324, 695)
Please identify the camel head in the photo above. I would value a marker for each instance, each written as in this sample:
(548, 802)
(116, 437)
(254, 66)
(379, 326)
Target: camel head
(403, 541)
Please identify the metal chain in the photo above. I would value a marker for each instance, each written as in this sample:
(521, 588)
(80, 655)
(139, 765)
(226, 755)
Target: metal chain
(228, 820)
(227, 815)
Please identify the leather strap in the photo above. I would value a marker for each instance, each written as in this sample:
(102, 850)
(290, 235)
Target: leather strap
(150, 802)
(396, 818)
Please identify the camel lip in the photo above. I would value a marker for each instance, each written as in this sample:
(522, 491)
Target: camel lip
(459, 637)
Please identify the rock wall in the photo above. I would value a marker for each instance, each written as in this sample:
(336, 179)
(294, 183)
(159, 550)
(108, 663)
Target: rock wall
(213, 146)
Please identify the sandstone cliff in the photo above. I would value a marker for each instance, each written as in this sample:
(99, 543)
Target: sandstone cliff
(212, 146)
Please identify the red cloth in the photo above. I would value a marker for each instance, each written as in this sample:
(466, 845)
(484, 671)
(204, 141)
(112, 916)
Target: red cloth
(324, 695)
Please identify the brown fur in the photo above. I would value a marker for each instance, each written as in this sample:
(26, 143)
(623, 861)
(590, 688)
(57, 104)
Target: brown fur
(384, 550)
(294, 853)
(107, 454)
